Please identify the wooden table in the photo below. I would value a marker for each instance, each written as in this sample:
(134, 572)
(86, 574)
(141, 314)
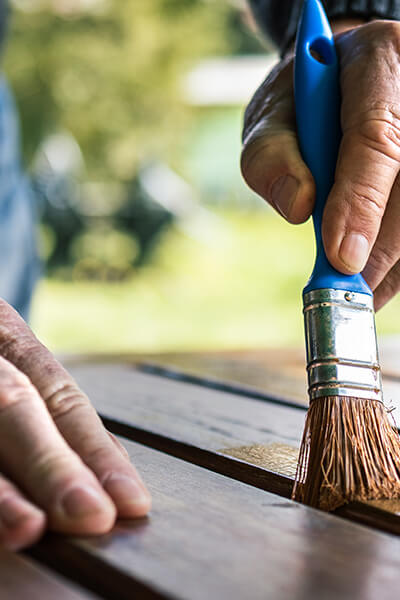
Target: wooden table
(215, 437)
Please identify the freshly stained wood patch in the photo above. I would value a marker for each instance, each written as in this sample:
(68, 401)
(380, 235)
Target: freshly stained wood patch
(209, 537)
(279, 458)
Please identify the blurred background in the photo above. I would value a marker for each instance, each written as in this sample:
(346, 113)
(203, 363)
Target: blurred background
(131, 117)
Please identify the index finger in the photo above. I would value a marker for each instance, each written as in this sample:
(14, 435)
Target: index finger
(271, 162)
(73, 415)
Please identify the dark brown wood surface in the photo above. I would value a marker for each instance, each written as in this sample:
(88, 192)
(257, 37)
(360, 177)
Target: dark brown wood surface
(22, 579)
(278, 373)
(218, 447)
(250, 440)
(211, 538)
(192, 422)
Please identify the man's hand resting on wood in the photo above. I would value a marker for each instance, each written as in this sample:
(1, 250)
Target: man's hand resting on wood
(59, 467)
(361, 224)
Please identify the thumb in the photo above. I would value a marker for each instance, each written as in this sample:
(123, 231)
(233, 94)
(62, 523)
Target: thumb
(367, 167)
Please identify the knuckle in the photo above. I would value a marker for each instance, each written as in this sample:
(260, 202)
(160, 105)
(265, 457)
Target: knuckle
(392, 33)
(259, 142)
(53, 465)
(118, 444)
(266, 154)
(379, 39)
(99, 458)
(15, 388)
(100, 455)
(16, 337)
(111, 474)
(254, 164)
(18, 346)
(66, 399)
(379, 130)
(382, 258)
(367, 203)
(9, 314)
(275, 88)
(7, 489)
(390, 285)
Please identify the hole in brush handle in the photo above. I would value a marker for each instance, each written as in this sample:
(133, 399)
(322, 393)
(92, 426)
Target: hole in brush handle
(322, 50)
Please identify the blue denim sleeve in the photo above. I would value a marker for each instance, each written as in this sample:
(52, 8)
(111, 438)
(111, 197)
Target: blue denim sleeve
(19, 264)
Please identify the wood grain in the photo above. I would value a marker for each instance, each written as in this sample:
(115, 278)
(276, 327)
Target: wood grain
(185, 411)
(205, 426)
(264, 374)
(271, 374)
(277, 375)
(22, 579)
(209, 537)
(191, 422)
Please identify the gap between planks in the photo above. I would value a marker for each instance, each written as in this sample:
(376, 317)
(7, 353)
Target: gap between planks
(245, 472)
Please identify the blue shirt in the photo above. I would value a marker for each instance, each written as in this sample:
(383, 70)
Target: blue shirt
(19, 265)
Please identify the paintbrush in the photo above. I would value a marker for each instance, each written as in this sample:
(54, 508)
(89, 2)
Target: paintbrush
(350, 449)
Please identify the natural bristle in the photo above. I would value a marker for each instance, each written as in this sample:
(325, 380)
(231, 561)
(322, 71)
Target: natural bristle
(350, 451)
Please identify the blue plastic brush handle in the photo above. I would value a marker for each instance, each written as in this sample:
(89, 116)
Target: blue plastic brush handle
(317, 98)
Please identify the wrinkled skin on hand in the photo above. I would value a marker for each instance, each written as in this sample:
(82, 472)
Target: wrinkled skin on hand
(59, 467)
(361, 223)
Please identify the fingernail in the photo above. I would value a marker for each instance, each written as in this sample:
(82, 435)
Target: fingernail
(125, 491)
(353, 251)
(82, 502)
(13, 510)
(284, 192)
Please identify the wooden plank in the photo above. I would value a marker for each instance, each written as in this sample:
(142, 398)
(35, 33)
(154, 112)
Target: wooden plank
(257, 374)
(278, 374)
(249, 440)
(188, 411)
(273, 374)
(22, 579)
(290, 391)
(191, 422)
(211, 538)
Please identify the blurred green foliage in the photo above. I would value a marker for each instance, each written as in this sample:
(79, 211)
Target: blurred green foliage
(241, 289)
(109, 75)
(112, 76)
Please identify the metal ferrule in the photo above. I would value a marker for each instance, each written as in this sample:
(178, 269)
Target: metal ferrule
(342, 353)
